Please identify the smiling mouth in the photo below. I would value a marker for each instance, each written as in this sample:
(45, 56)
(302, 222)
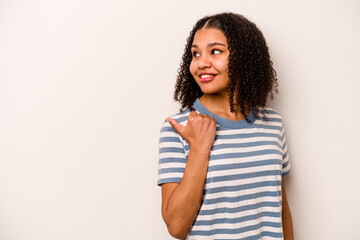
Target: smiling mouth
(206, 77)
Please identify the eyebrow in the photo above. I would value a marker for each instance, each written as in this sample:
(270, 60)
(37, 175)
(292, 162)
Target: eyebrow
(209, 45)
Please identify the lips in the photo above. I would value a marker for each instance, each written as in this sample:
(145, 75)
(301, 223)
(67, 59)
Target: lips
(206, 77)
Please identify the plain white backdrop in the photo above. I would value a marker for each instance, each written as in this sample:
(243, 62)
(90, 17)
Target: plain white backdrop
(86, 85)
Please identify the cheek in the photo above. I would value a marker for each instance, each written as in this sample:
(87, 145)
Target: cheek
(224, 66)
(192, 69)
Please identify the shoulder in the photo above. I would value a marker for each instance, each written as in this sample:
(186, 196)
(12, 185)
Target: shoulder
(180, 117)
(168, 133)
(168, 130)
(272, 116)
(271, 113)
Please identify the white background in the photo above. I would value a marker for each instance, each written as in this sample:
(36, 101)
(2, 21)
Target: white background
(86, 85)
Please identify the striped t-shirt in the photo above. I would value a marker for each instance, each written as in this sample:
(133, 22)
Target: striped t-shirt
(242, 194)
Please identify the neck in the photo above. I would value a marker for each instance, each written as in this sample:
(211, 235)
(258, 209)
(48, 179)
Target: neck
(219, 104)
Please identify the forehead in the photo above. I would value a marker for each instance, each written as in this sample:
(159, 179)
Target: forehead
(206, 36)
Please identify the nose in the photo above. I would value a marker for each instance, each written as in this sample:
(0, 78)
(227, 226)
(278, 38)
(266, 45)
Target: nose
(204, 61)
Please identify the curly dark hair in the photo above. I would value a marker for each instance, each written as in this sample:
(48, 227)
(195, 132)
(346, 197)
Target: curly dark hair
(252, 77)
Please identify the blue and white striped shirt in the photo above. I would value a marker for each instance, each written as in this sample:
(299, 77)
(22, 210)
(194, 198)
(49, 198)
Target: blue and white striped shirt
(242, 194)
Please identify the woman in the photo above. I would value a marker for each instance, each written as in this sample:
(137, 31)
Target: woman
(224, 156)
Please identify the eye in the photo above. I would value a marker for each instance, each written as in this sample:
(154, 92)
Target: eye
(195, 54)
(215, 51)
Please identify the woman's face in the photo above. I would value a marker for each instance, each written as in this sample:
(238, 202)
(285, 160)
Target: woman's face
(209, 65)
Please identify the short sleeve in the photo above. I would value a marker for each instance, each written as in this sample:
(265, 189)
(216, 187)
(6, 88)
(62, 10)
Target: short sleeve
(286, 167)
(172, 157)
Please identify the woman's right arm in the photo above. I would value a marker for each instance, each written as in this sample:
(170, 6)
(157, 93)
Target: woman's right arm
(181, 201)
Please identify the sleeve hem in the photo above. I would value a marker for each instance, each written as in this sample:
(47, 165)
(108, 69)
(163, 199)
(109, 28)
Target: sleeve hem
(286, 173)
(168, 180)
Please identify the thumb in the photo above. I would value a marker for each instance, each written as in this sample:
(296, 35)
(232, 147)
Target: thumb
(177, 126)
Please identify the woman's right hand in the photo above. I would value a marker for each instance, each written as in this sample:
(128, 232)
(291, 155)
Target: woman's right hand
(181, 202)
(199, 131)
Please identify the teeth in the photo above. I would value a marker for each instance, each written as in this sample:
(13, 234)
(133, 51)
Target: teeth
(205, 76)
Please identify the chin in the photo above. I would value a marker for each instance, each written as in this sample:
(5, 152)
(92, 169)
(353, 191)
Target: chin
(210, 91)
(206, 91)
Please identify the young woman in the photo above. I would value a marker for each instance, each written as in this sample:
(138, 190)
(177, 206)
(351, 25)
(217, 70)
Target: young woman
(224, 156)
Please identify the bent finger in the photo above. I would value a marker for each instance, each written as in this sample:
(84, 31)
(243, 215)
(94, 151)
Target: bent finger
(200, 115)
(192, 115)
